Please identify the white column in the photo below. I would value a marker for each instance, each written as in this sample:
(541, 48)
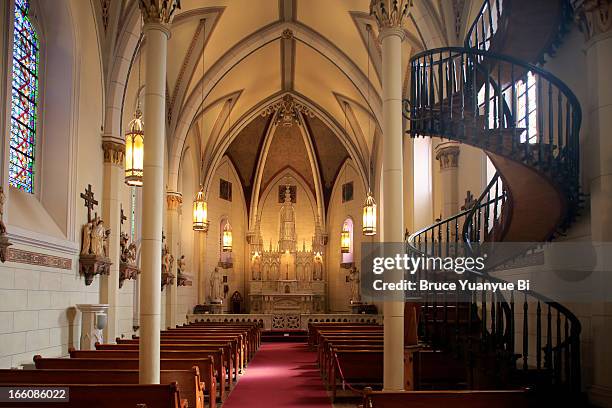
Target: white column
(595, 23)
(174, 200)
(389, 15)
(156, 15)
(447, 153)
(393, 203)
(111, 204)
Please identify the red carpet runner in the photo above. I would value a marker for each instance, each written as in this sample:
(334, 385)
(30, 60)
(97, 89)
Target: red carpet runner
(280, 375)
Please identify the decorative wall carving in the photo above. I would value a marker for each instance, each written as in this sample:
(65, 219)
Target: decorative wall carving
(594, 17)
(158, 11)
(174, 200)
(35, 258)
(114, 153)
(448, 156)
(287, 111)
(267, 321)
(287, 34)
(390, 13)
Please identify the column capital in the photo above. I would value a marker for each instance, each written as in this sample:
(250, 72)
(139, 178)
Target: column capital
(174, 199)
(114, 152)
(389, 13)
(158, 11)
(594, 18)
(448, 155)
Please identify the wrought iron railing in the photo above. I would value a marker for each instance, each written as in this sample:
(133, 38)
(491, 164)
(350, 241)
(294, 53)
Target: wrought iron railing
(486, 328)
(485, 26)
(513, 109)
(502, 105)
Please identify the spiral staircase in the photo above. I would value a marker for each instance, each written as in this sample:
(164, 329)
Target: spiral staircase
(490, 95)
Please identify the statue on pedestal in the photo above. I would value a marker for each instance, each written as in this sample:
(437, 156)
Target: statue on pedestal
(354, 279)
(216, 286)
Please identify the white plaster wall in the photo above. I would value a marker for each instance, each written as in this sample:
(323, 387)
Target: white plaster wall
(37, 314)
(339, 289)
(236, 211)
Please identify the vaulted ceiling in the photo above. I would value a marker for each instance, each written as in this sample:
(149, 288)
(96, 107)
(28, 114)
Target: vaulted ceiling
(324, 52)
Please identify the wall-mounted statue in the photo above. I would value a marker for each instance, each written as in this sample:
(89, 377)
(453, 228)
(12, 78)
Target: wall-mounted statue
(4, 241)
(355, 280)
(317, 273)
(167, 264)
(182, 277)
(128, 268)
(215, 282)
(94, 259)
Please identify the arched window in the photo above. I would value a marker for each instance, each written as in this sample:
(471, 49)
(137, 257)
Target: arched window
(24, 99)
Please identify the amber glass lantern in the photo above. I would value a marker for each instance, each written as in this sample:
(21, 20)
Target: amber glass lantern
(134, 151)
(200, 212)
(369, 215)
(345, 239)
(226, 241)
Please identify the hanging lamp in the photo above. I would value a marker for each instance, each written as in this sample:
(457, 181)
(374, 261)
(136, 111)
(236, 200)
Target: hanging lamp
(226, 244)
(134, 141)
(369, 215)
(200, 206)
(134, 151)
(369, 206)
(345, 239)
(200, 212)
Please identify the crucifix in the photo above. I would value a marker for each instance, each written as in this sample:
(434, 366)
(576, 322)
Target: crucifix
(122, 218)
(469, 201)
(90, 201)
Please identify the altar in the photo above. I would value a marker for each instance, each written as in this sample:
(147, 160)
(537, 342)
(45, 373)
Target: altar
(285, 279)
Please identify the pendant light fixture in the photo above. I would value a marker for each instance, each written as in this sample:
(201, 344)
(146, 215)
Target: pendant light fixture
(134, 139)
(345, 234)
(227, 239)
(345, 239)
(369, 206)
(200, 206)
(200, 212)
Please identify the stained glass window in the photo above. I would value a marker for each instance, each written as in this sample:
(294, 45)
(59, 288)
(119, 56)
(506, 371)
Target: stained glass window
(24, 99)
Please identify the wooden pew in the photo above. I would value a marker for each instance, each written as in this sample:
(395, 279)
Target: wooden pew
(228, 363)
(247, 339)
(246, 351)
(113, 396)
(454, 399)
(253, 331)
(188, 381)
(253, 328)
(315, 328)
(356, 368)
(204, 364)
(235, 350)
(216, 355)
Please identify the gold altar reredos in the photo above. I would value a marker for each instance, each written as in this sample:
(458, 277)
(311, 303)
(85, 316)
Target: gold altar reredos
(285, 279)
